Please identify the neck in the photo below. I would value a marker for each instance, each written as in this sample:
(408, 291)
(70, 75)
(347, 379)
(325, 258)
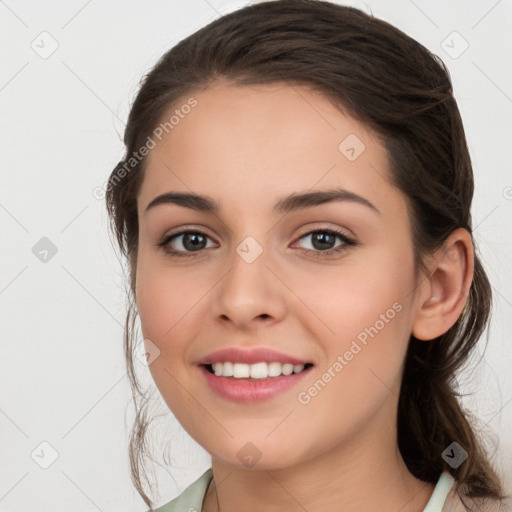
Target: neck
(353, 477)
(312, 489)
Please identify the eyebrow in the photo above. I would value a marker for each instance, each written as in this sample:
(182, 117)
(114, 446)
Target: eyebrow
(290, 203)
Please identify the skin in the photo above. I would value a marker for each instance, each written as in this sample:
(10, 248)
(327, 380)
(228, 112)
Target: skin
(246, 147)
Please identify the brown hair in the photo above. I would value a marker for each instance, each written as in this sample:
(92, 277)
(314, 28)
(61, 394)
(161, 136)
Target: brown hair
(403, 92)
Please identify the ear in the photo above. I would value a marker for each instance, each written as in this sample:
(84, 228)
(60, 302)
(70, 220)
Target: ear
(444, 292)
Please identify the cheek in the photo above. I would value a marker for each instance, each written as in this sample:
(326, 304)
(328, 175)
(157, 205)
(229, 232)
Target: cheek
(156, 302)
(159, 294)
(365, 324)
(363, 313)
(168, 320)
(170, 303)
(354, 296)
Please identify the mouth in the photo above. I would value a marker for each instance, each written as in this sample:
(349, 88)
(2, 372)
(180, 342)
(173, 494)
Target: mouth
(257, 371)
(248, 384)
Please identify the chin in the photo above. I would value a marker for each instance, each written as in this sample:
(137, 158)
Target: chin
(258, 456)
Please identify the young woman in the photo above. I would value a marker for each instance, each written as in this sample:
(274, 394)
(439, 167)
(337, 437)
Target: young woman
(294, 205)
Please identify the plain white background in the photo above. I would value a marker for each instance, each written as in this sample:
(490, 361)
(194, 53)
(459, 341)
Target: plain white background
(62, 377)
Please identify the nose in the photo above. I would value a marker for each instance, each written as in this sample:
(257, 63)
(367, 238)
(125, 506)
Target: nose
(249, 293)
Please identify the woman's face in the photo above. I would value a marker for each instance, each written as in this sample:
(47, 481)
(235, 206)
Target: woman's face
(256, 276)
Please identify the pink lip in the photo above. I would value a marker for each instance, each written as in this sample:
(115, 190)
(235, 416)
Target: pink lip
(250, 356)
(251, 390)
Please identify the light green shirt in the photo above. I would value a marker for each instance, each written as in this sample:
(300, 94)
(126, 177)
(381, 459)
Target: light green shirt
(191, 499)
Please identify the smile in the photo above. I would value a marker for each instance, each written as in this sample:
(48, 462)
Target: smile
(241, 386)
(260, 370)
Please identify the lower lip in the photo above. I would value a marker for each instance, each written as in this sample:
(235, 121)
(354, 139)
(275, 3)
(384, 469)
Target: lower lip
(250, 391)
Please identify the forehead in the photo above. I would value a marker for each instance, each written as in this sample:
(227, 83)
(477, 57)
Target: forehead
(260, 142)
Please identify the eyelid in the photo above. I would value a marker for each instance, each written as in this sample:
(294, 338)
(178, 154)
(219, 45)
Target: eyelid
(186, 228)
(323, 226)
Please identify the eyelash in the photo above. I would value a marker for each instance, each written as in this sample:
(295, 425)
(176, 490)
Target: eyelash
(347, 242)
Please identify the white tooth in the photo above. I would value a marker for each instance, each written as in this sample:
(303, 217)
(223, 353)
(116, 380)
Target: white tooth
(228, 370)
(274, 369)
(240, 370)
(287, 369)
(259, 371)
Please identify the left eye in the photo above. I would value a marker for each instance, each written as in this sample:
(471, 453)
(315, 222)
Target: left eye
(326, 237)
(194, 241)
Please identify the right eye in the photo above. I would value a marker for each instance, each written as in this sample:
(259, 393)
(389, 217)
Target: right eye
(192, 241)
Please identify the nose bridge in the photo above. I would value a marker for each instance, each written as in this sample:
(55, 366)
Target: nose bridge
(248, 274)
(249, 289)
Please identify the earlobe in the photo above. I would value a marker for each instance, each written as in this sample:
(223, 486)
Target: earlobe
(443, 294)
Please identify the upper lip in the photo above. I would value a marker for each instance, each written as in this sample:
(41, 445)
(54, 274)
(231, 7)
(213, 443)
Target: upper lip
(249, 356)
